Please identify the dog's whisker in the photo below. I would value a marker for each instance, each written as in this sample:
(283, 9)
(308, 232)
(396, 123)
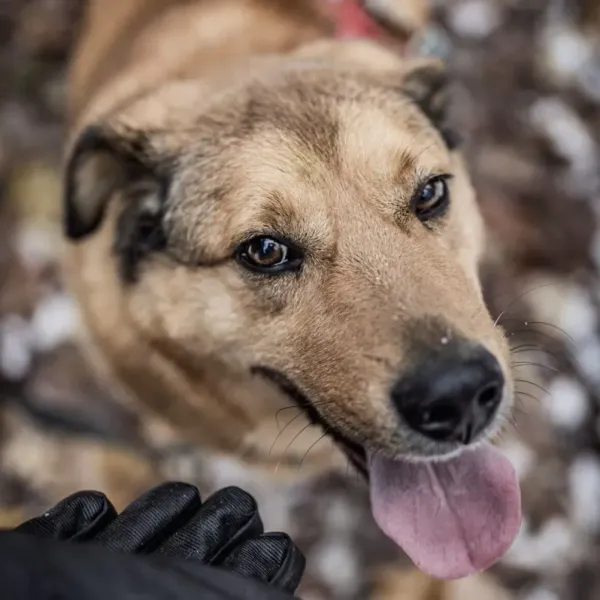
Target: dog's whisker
(282, 410)
(310, 448)
(506, 422)
(519, 410)
(535, 364)
(520, 297)
(566, 348)
(527, 323)
(530, 348)
(282, 430)
(537, 385)
(555, 327)
(529, 330)
(528, 395)
(529, 345)
(317, 403)
(510, 424)
(290, 445)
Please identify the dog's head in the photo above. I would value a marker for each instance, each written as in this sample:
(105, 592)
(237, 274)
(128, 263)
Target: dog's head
(309, 233)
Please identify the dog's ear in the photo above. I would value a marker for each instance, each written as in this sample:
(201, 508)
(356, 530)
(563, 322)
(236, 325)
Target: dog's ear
(425, 81)
(102, 162)
(106, 163)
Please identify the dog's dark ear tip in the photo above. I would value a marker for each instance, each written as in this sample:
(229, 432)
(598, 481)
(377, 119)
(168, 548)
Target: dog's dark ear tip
(425, 75)
(452, 138)
(426, 82)
(93, 171)
(75, 229)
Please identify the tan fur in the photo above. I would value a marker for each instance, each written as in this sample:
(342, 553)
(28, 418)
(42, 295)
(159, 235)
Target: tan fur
(263, 123)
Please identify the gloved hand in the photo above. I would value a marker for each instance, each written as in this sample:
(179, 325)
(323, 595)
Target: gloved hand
(171, 521)
(45, 569)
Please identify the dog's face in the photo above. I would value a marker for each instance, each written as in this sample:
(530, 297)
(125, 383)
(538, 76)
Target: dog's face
(312, 230)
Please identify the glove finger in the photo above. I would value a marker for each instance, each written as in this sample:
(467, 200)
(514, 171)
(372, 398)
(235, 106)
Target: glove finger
(226, 519)
(147, 521)
(272, 558)
(78, 517)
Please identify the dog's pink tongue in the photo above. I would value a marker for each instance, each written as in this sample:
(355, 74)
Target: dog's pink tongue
(452, 518)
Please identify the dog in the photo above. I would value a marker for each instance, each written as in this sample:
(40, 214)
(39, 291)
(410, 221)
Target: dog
(261, 215)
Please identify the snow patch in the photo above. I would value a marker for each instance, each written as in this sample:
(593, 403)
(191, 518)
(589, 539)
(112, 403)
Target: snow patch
(337, 565)
(15, 347)
(566, 50)
(54, 321)
(566, 132)
(578, 316)
(584, 485)
(520, 455)
(567, 403)
(475, 19)
(550, 550)
(541, 594)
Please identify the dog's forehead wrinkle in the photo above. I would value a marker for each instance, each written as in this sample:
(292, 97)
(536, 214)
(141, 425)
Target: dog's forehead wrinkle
(314, 112)
(296, 112)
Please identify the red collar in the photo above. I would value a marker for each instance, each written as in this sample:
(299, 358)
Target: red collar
(351, 20)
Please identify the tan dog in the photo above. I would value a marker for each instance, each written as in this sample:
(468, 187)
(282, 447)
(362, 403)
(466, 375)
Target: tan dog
(263, 216)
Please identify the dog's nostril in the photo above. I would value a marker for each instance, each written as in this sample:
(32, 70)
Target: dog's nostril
(440, 416)
(489, 395)
(452, 399)
(437, 422)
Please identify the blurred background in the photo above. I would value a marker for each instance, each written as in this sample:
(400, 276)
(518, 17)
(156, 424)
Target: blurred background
(527, 94)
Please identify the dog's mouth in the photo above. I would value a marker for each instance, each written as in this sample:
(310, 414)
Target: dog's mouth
(453, 517)
(355, 452)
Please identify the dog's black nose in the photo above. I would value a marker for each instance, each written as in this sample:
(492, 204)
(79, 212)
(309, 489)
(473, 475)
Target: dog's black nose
(451, 398)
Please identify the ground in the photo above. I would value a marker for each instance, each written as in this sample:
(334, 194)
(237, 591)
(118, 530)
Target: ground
(527, 100)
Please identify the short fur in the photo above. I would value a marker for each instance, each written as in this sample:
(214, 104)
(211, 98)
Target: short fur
(196, 124)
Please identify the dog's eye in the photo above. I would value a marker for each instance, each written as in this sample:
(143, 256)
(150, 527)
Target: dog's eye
(268, 255)
(432, 199)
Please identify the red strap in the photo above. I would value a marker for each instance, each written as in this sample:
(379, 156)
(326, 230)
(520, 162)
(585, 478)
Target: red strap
(352, 21)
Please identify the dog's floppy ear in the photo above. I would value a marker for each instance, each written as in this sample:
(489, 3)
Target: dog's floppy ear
(103, 161)
(425, 81)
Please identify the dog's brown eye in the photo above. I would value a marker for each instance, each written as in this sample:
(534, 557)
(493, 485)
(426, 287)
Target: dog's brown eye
(268, 255)
(432, 199)
(266, 252)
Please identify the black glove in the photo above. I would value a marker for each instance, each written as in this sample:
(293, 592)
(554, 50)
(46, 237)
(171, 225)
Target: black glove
(170, 521)
(44, 569)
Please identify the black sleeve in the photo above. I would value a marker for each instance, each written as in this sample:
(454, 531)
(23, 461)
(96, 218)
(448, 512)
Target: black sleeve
(45, 569)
